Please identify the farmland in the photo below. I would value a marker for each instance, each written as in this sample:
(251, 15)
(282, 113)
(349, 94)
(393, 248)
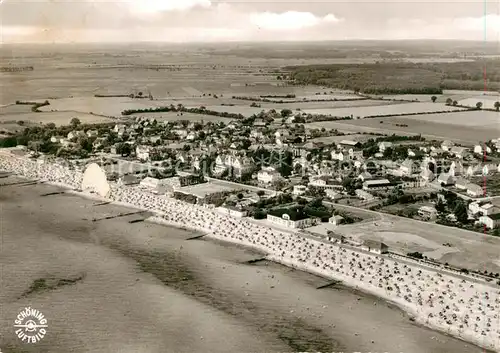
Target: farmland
(391, 109)
(58, 118)
(411, 125)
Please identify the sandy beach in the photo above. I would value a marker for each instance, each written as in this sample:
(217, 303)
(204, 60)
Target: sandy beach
(141, 287)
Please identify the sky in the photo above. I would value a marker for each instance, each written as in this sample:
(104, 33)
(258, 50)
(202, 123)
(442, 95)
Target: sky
(62, 21)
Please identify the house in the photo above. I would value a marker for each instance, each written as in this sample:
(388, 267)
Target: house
(299, 190)
(268, 175)
(336, 220)
(474, 190)
(363, 195)
(333, 194)
(480, 149)
(456, 168)
(459, 152)
(142, 152)
(325, 182)
(445, 179)
(56, 139)
(282, 134)
(447, 145)
(155, 185)
(336, 238)
(374, 246)
(490, 221)
(408, 167)
(75, 134)
(461, 183)
(92, 133)
(382, 146)
(337, 156)
(232, 211)
(483, 208)
(290, 218)
(428, 212)
(377, 184)
(191, 136)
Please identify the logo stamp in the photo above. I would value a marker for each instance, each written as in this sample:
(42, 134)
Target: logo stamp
(31, 325)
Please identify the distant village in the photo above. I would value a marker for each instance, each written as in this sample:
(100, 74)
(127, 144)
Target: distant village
(275, 168)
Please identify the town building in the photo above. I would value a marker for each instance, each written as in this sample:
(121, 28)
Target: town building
(484, 208)
(379, 184)
(427, 212)
(474, 190)
(382, 146)
(335, 237)
(299, 190)
(232, 211)
(375, 246)
(363, 195)
(268, 175)
(490, 221)
(291, 219)
(336, 220)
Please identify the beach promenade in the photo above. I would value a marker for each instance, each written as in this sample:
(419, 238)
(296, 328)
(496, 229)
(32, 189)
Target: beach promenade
(456, 306)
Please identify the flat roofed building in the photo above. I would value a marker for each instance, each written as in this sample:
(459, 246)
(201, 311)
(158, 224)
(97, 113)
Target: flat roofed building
(377, 184)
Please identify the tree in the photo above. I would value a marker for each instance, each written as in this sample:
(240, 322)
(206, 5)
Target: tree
(479, 105)
(286, 113)
(124, 149)
(461, 212)
(75, 122)
(433, 98)
(261, 193)
(496, 232)
(440, 207)
(455, 103)
(497, 105)
(449, 101)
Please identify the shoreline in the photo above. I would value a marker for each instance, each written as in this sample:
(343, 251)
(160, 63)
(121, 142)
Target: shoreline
(286, 258)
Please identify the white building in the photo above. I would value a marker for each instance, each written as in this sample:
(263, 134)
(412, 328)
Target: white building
(481, 148)
(461, 183)
(408, 167)
(299, 190)
(336, 220)
(333, 194)
(458, 151)
(232, 211)
(374, 246)
(483, 208)
(491, 221)
(445, 179)
(268, 175)
(288, 222)
(382, 146)
(142, 152)
(474, 190)
(428, 212)
(447, 145)
(363, 195)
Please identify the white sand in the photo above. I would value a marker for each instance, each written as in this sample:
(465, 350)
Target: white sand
(464, 309)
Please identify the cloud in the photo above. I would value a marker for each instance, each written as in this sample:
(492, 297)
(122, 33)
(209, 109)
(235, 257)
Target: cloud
(289, 20)
(488, 22)
(156, 6)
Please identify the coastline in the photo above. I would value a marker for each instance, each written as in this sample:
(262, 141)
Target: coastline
(286, 258)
